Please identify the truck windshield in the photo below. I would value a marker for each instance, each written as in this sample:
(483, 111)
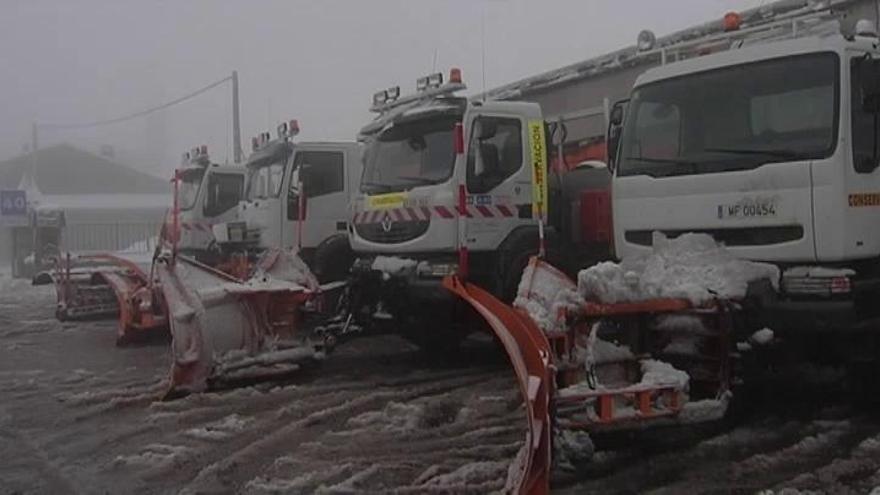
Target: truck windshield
(735, 118)
(264, 180)
(189, 188)
(410, 154)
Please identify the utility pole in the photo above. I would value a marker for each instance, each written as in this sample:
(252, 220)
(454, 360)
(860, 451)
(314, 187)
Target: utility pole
(236, 125)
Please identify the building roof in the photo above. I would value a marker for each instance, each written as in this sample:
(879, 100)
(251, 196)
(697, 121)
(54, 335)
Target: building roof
(66, 170)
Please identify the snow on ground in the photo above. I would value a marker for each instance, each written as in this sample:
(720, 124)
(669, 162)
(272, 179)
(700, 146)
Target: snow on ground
(691, 266)
(79, 415)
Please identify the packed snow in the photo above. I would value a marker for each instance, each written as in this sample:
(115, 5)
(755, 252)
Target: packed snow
(691, 266)
(544, 293)
(392, 265)
(762, 337)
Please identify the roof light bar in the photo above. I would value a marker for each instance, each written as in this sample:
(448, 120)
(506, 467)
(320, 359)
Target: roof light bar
(380, 97)
(392, 93)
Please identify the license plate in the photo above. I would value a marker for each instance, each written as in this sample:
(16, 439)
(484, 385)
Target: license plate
(748, 209)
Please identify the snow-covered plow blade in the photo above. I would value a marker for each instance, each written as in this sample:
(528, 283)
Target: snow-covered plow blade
(226, 330)
(585, 366)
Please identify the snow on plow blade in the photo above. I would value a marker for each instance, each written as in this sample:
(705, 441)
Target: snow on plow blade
(600, 367)
(225, 330)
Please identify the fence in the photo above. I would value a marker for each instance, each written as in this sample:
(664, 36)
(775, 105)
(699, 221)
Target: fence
(138, 236)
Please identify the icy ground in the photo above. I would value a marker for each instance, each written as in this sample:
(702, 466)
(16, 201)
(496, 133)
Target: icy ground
(78, 415)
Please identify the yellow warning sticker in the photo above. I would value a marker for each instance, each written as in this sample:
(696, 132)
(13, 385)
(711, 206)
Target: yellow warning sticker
(386, 201)
(538, 148)
(864, 199)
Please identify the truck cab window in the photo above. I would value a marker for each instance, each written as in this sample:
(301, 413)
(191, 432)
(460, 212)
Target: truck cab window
(864, 132)
(321, 173)
(494, 152)
(224, 193)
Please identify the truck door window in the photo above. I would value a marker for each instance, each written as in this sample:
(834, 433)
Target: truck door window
(862, 123)
(321, 172)
(224, 193)
(494, 152)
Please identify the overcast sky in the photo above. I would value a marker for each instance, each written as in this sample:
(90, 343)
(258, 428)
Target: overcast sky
(317, 61)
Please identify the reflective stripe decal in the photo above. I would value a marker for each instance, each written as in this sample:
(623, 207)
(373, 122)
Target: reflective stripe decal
(424, 213)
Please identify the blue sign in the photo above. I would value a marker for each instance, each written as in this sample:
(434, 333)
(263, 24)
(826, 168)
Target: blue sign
(13, 203)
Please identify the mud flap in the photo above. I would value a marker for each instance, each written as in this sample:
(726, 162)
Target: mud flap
(226, 330)
(529, 353)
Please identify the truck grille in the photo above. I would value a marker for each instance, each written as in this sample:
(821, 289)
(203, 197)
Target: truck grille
(746, 236)
(397, 231)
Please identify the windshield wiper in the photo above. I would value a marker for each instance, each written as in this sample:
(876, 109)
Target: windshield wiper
(375, 186)
(679, 166)
(776, 153)
(421, 180)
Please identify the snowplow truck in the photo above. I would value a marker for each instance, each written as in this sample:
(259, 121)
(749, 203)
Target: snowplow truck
(772, 149)
(207, 194)
(452, 185)
(297, 197)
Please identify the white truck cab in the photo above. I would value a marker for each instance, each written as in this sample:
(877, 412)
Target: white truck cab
(771, 149)
(208, 194)
(454, 185)
(273, 213)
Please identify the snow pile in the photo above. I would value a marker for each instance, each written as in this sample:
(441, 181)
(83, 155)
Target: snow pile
(664, 374)
(392, 265)
(395, 417)
(156, 455)
(691, 266)
(544, 293)
(762, 337)
(278, 270)
(601, 351)
(571, 448)
(222, 429)
(475, 473)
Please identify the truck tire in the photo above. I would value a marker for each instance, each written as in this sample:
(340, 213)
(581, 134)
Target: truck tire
(333, 259)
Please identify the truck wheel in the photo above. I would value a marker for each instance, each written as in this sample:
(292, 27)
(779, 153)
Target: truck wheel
(333, 260)
(513, 256)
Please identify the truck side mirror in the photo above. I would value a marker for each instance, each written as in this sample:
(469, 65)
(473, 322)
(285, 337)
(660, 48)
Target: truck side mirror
(615, 125)
(869, 80)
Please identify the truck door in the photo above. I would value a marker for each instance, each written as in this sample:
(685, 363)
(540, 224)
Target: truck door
(225, 188)
(854, 233)
(500, 140)
(322, 173)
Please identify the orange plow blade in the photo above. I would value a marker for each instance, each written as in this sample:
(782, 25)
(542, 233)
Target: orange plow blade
(529, 353)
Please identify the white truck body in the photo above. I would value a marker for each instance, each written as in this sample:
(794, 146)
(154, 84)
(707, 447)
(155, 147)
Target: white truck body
(208, 195)
(768, 149)
(268, 216)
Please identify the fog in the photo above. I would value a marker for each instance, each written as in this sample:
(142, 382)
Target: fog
(318, 61)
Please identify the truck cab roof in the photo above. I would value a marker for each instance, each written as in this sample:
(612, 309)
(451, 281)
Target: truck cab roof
(764, 51)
